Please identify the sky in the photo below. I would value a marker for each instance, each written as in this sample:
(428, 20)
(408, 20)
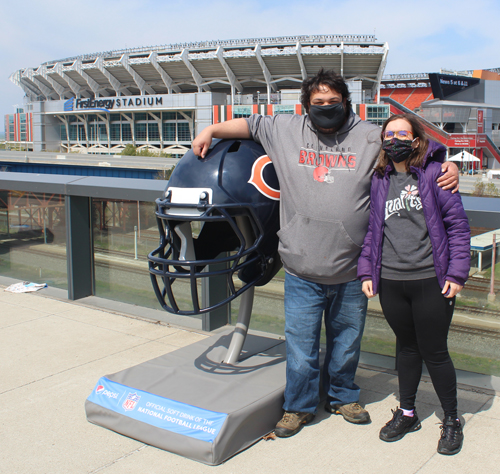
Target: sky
(423, 36)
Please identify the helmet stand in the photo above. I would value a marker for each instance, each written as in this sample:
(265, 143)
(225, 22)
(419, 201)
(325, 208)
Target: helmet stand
(241, 328)
(246, 304)
(205, 401)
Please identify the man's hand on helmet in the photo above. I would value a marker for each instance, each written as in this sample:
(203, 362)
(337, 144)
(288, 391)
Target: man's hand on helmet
(236, 128)
(202, 142)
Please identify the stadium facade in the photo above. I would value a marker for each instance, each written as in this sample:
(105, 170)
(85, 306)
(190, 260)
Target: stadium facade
(161, 97)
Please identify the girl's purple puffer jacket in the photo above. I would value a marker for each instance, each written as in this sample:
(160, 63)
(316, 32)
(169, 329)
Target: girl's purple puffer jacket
(444, 215)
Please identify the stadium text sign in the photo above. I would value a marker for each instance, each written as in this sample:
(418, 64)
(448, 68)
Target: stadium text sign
(108, 104)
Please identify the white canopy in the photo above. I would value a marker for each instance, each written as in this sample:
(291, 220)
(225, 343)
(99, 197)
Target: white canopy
(463, 156)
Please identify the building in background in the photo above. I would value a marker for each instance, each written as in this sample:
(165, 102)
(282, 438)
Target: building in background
(161, 97)
(461, 109)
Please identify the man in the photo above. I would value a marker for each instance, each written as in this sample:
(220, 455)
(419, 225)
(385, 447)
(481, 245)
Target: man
(324, 163)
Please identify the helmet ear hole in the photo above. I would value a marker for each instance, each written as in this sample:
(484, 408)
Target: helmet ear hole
(234, 147)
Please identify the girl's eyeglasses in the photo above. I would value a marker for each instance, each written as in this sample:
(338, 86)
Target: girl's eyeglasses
(401, 134)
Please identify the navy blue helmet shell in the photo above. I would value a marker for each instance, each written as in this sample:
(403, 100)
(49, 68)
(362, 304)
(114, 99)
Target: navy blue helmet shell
(219, 216)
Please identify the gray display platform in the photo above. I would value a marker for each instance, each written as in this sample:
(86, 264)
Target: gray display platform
(191, 403)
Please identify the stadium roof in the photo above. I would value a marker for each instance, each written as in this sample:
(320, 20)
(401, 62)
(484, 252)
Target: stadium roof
(219, 66)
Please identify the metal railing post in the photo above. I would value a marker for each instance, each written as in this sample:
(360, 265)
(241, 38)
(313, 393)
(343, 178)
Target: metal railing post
(80, 257)
(491, 294)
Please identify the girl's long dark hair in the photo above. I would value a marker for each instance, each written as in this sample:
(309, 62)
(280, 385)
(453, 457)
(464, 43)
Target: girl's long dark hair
(417, 156)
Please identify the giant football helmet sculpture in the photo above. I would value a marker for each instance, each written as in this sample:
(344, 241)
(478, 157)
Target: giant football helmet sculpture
(232, 198)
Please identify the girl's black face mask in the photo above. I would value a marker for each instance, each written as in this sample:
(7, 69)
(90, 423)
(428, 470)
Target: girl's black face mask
(397, 150)
(329, 117)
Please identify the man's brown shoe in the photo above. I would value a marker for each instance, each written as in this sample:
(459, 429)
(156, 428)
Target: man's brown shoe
(352, 412)
(292, 423)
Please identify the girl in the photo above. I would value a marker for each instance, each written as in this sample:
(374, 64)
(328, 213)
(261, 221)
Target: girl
(416, 254)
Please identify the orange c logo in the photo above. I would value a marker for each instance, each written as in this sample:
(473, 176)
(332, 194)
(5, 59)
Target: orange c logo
(257, 178)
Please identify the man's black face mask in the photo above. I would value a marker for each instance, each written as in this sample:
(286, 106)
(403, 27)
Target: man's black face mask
(327, 116)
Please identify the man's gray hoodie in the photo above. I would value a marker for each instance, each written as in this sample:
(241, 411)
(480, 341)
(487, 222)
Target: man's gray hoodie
(325, 192)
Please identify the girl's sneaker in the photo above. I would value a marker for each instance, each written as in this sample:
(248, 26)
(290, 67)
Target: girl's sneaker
(452, 436)
(396, 428)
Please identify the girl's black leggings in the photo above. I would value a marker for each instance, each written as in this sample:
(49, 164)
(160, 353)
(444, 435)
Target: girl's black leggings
(420, 316)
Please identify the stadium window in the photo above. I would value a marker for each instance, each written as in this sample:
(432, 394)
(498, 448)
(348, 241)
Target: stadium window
(284, 109)
(169, 115)
(242, 111)
(140, 116)
(93, 132)
(103, 134)
(169, 131)
(183, 132)
(72, 132)
(114, 131)
(126, 132)
(153, 133)
(114, 117)
(141, 132)
(81, 133)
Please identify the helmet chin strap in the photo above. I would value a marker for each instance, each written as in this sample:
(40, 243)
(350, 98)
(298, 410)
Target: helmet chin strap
(186, 251)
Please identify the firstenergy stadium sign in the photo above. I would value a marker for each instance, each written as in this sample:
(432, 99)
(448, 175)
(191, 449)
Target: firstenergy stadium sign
(115, 103)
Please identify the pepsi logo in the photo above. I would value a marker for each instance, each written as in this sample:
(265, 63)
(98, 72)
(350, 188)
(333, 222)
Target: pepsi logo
(99, 389)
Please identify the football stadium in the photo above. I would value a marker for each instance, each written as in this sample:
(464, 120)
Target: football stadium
(159, 98)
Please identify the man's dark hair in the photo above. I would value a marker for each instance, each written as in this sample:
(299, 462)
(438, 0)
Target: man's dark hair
(330, 79)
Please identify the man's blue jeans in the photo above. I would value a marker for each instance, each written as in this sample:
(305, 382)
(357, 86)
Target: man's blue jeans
(344, 306)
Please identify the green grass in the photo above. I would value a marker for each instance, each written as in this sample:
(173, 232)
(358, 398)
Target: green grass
(487, 273)
(27, 273)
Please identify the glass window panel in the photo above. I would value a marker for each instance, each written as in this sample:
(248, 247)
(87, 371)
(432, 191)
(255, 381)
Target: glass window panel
(103, 134)
(114, 130)
(169, 131)
(153, 132)
(122, 277)
(141, 116)
(63, 132)
(242, 111)
(284, 109)
(81, 133)
(141, 132)
(169, 115)
(72, 132)
(33, 237)
(183, 132)
(126, 132)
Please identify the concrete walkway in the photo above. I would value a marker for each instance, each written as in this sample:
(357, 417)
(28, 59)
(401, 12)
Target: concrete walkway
(53, 351)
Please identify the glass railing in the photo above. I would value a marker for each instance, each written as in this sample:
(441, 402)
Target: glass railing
(34, 247)
(33, 237)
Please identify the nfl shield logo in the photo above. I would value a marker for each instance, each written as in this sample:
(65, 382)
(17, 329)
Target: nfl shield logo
(131, 401)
